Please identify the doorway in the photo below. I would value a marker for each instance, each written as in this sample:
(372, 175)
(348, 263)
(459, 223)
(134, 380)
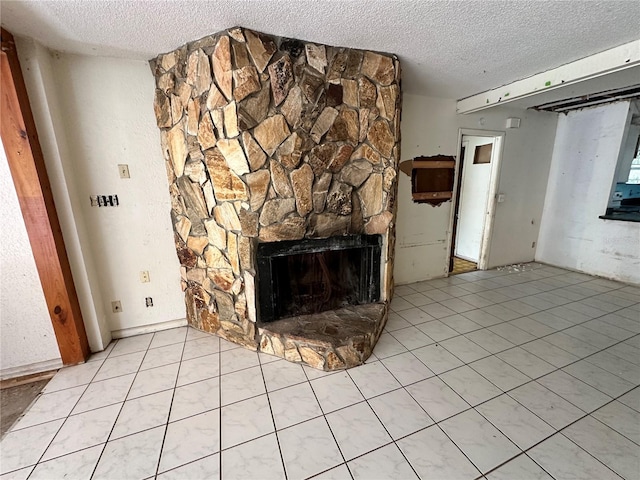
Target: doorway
(479, 155)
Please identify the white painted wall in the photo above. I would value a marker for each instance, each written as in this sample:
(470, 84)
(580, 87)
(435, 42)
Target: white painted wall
(584, 161)
(92, 114)
(430, 126)
(27, 343)
(473, 200)
(35, 62)
(107, 105)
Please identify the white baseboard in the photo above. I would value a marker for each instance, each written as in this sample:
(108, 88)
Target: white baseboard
(13, 372)
(155, 327)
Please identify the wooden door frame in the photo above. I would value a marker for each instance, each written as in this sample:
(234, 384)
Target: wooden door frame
(27, 166)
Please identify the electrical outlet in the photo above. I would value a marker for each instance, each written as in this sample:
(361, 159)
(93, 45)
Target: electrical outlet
(116, 306)
(124, 170)
(149, 301)
(144, 277)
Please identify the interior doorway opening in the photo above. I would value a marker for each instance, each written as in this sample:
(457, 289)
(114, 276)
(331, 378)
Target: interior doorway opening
(474, 200)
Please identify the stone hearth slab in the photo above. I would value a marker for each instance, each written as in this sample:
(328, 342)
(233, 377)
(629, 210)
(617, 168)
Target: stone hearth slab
(331, 340)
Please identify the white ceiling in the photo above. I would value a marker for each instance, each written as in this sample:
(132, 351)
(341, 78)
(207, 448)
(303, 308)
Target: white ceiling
(450, 49)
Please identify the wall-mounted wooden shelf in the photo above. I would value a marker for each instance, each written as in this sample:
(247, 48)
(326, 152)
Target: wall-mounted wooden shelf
(432, 179)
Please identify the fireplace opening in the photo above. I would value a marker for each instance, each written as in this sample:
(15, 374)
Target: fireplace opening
(315, 275)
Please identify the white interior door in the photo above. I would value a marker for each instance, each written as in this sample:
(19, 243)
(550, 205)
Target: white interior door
(474, 195)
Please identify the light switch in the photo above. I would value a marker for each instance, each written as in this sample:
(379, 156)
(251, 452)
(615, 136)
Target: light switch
(500, 197)
(124, 170)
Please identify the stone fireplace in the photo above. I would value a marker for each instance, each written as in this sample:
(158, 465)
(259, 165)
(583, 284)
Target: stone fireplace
(282, 160)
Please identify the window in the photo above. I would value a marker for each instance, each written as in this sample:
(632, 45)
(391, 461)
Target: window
(624, 203)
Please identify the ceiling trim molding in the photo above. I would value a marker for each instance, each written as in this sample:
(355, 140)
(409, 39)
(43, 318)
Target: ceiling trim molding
(603, 63)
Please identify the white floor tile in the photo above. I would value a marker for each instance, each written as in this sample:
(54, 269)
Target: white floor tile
(485, 446)
(157, 357)
(520, 425)
(551, 354)
(294, 405)
(395, 322)
(437, 358)
(406, 368)
(460, 323)
(500, 373)
(437, 330)
(575, 391)
(482, 317)
(387, 345)
(50, 406)
(616, 365)
(105, 392)
(336, 391)
(551, 408)
(621, 418)
(400, 413)
(142, 414)
(237, 359)
(464, 349)
(128, 345)
(206, 345)
(418, 299)
(24, 447)
(197, 369)
(532, 326)
(190, 439)
(564, 459)
(489, 341)
(571, 344)
(526, 362)
(238, 426)
(308, 449)
(194, 334)
(437, 399)
(590, 336)
(195, 398)
(169, 337)
(373, 379)
(357, 430)
(282, 374)
(437, 310)
(74, 376)
(398, 304)
(470, 385)
(259, 458)
(82, 431)
(241, 385)
(78, 465)
(433, 455)
(412, 338)
(132, 457)
(458, 305)
(386, 463)
(599, 378)
(415, 316)
(118, 366)
(341, 472)
(512, 333)
(208, 467)
(154, 380)
(521, 467)
(614, 450)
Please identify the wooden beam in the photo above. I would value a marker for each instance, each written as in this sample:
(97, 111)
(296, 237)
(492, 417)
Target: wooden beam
(26, 162)
(613, 60)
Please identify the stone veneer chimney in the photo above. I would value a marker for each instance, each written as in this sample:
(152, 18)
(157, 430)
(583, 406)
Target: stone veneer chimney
(266, 140)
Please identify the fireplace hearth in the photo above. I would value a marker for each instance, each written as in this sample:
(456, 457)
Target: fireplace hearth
(282, 159)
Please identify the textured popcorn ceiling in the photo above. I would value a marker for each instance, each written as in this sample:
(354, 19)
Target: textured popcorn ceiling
(448, 49)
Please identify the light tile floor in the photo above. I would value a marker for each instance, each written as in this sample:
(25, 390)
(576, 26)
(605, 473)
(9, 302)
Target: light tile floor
(528, 373)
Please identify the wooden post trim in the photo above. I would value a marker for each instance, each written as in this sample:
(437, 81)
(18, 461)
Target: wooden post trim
(27, 167)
